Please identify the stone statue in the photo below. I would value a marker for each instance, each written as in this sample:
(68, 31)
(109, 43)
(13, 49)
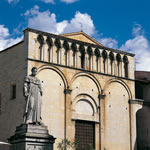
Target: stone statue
(32, 93)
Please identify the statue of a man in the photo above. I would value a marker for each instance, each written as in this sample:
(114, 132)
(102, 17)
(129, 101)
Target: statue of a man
(33, 93)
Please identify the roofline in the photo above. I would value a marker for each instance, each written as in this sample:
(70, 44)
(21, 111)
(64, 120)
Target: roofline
(143, 71)
(86, 35)
(78, 41)
(4, 50)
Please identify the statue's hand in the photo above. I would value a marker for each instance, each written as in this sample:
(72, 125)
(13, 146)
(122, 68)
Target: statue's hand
(26, 94)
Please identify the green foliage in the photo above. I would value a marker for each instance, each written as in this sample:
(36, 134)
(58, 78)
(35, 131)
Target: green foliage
(67, 145)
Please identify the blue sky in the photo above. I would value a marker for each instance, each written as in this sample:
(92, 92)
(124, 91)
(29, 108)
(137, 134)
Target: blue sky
(118, 24)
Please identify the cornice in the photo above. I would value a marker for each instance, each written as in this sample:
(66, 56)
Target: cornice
(59, 65)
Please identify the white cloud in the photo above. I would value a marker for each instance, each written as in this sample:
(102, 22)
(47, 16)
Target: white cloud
(109, 42)
(79, 21)
(13, 1)
(137, 30)
(69, 1)
(48, 1)
(46, 21)
(140, 46)
(5, 40)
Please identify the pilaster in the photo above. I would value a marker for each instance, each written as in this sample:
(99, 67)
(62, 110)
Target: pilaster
(68, 113)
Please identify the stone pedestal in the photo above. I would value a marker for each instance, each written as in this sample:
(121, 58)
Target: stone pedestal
(31, 137)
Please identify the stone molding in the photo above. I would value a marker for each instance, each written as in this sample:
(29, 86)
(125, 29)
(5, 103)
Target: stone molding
(136, 101)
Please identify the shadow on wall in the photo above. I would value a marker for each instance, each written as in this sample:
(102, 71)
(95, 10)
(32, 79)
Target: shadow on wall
(4, 147)
(143, 129)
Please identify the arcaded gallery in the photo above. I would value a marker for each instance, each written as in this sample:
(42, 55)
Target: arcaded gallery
(88, 90)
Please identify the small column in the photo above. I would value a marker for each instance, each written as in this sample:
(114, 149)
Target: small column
(89, 61)
(122, 70)
(100, 64)
(78, 58)
(109, 66)
(68, 113)
(106, 62)
(63, 56)
(94, 64)
(51, 54)
(86, 62)
(71, 58)
(115, 66)
(55, 54)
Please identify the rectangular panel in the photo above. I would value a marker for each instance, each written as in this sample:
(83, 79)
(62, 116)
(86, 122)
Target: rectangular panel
(85, 135)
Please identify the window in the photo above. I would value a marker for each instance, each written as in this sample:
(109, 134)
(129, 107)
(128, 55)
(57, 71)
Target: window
(49, 42)
(111, 57)
(118, 58)
(126, 62)
(58, 46)
(82, 61)
(97, 54)
(82, 51)
(90, 53)
(74, 49)
(104, 54)
(13, 91)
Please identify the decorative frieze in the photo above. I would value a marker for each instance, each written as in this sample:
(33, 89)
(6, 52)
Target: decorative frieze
(64, 52)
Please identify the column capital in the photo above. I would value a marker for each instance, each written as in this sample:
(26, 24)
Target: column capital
(136, 101)
(67, 91)
(101, 96)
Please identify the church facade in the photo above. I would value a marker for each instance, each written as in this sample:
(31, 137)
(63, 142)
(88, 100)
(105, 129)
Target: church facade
(88, 89)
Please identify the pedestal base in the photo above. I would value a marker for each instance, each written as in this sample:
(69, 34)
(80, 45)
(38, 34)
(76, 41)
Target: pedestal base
(31, 137)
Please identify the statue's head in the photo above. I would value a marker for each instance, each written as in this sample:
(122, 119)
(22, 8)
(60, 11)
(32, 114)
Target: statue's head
(34, 71)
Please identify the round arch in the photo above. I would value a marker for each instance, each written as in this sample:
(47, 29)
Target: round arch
(122, 83)
(43, 67)
(85, 108)
(92, 77)
(88, 98)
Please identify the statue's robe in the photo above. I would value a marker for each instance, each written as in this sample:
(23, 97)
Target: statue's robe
(32, 87)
